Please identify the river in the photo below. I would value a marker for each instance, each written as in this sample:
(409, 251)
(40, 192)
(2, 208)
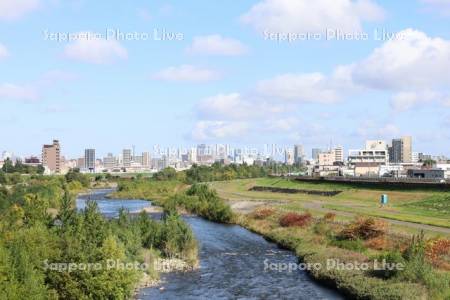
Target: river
(233, 264)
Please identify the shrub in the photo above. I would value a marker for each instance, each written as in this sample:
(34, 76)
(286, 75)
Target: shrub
(204, 201)
(323, 228)
(378, 243)
(391, 258)
(329, 217)
(294, 219)
(437, 252)
(364, 228)
(263, 212)
(353, 245)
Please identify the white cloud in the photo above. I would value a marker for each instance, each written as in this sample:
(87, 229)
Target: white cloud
(15, 9)
(312, 87)
(407, 100)
(9, 91)
(4, 53)
(284, 124)
(209, 130)
(389, 130)
(372, 129)
(441, 6)
(303, 16)
(216, 45)
(186, 73)
(93, 49)
(411, 60)
(235, 107)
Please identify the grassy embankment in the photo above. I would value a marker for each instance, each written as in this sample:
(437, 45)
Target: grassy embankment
(317, 239)
(423, 207)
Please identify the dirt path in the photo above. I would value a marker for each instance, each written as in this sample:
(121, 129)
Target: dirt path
(245, 204)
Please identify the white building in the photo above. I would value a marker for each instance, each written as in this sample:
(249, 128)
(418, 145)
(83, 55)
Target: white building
(446, 168)
(367, 162)
(289, 156)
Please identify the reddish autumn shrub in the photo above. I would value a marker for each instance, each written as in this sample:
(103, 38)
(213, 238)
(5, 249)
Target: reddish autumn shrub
(263, 212)
(294, 219)
(437, 252)
(329, 217)
(364, 228)
(378, 243)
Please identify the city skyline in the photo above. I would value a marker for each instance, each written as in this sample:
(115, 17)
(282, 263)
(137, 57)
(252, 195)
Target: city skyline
(206, 73)
(269, 149)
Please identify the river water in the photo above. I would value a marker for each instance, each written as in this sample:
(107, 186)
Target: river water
(233, 264)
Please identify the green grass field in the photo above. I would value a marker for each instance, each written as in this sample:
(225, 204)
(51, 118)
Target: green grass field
(422, 207)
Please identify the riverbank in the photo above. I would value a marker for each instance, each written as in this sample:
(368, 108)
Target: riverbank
(163, 246)
(318, 239)
(312, 250)
(423, 207)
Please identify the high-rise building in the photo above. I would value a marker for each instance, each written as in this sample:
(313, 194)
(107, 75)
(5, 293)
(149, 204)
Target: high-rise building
(289, 156)
(202, 150)
(109, 162)
(395, 151)
(89, 160)
(193, 155)
(401, 150)
(407, 149)
(51, 157)
(126, 157)
(298, 154)
(338, 154)
(146, 159)
(315, 153)
(137, 159)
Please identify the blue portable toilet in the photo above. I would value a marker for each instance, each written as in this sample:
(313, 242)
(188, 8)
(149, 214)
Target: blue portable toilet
(384, 199)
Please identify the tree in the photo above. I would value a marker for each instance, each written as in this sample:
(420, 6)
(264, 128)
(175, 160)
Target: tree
(8, 166)
(40, 169)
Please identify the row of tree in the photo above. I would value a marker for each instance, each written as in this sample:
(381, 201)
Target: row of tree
(220, 172)
(21, 168)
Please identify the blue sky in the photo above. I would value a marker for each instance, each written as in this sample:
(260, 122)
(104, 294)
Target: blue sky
(223, 82)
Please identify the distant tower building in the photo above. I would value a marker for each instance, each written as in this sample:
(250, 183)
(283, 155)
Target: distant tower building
(395, 151)
(339, 154)
(289, 156)
(126, 157)
(401, 150)
(407, 149)
(202, 150)
(89, 160)
(315, 153)
(109, 162)
(298, 154)
(192, 155)
(146, 159)
(51, 157)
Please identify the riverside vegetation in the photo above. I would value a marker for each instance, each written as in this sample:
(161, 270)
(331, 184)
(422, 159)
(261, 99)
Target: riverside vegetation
(319, 238)
(40, 228)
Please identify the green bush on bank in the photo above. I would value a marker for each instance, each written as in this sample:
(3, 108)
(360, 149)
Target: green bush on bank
(204, 201)
(30, 238)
